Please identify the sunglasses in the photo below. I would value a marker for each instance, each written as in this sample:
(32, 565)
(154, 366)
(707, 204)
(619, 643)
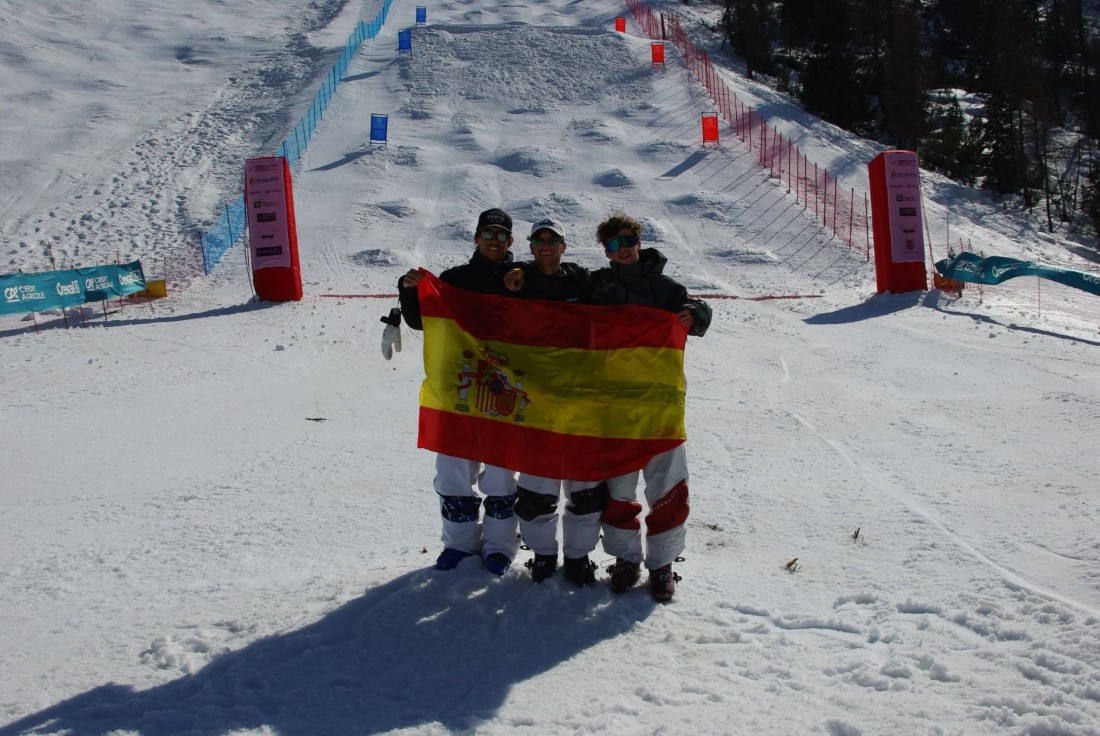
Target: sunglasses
(553, 240)
(498, 234)
(622, 241)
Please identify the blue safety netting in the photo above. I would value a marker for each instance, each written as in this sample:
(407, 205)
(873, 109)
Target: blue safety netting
(230, 225)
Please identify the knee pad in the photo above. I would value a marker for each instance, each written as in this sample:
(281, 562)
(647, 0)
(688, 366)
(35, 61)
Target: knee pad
(589, 501)
(530, 505)
(459, 508)
(500, 507)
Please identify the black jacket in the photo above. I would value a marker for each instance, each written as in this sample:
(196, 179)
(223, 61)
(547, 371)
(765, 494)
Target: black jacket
(645, 283)
(479, 274)
(570, 283)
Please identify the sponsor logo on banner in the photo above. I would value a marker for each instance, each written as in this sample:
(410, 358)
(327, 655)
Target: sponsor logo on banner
(269, 251)
(69, 289)
(265, 217)
(99, 283)
(23, 293)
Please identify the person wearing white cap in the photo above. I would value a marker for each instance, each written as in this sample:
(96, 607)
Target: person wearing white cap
(546, 277)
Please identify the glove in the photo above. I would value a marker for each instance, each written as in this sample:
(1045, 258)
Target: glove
(391, 335)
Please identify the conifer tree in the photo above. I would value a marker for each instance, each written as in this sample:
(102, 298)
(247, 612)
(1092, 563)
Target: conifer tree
(745, 24)
(903, 94)
(832, 84)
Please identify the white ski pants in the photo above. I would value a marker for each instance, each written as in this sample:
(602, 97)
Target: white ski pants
(464, 527)
(580, 526)
(666, 492)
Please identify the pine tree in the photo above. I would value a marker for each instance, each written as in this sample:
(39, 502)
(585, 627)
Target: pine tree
(941, 148)
(1091, 197)
(745, 24)
(1010, 76)
(832, 82)
(903, 94)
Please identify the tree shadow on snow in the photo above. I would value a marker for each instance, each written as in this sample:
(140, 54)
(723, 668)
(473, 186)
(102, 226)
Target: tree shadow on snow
(428, 647)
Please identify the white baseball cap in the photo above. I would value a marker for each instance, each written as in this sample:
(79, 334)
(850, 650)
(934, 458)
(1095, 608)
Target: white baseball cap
(548, 223)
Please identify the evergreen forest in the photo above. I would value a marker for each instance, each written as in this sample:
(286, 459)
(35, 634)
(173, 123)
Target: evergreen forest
(999, 94)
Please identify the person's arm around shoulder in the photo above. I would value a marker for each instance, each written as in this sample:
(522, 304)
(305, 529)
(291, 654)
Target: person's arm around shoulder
(409, 298)
(514, 278)
(582, 277)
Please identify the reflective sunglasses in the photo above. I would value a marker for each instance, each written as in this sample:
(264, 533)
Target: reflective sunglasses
(553, 240)
(498, 234)
(622, 241)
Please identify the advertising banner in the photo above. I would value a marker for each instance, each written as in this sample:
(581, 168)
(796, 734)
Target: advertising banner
(903, 191)
(104, 282)
(23, 293)
(273, 240)
(897, 222)
(37, 292)
(992, 270)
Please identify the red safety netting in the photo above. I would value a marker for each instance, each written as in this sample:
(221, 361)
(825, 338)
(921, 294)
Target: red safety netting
(842, 210)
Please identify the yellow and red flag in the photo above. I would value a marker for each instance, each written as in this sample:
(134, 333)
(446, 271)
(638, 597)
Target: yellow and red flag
(560, 390)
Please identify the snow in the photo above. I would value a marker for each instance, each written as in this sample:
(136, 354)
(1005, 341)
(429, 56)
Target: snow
(214, 518)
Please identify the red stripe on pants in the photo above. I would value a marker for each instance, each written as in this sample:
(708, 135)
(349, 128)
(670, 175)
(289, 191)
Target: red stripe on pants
(670, 511)
(622, 514)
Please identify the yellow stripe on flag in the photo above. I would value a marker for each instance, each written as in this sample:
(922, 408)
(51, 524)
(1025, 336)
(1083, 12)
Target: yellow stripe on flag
(626, 393)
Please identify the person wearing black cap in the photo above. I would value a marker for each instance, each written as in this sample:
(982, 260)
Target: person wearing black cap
(546, 277)
(466, 531)
(635, 276)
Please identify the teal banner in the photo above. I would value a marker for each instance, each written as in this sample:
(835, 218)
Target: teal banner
(104, 282)
(974, 269)
(37, 292)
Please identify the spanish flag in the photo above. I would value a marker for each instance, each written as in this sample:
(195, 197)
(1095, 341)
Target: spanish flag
(554, 389)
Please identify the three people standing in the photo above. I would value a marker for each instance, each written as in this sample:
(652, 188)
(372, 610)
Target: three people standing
(633, 276)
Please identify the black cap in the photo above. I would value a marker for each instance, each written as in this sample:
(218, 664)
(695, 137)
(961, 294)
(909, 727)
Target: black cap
(496, 217)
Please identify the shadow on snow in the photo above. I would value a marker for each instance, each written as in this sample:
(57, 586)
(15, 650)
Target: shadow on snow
(427, 647)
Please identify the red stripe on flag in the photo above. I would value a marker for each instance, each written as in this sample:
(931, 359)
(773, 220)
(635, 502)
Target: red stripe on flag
(557, 324)
(536, 451)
